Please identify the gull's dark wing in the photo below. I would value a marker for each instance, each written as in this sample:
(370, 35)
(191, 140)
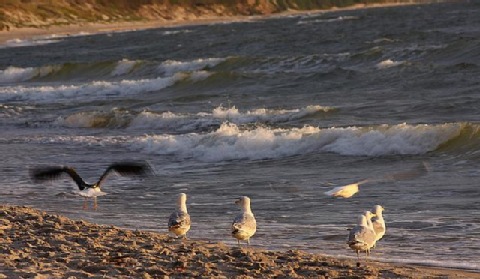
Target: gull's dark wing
(126, 169)
(43, 174)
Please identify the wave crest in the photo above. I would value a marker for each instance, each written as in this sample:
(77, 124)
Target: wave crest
(230, 142)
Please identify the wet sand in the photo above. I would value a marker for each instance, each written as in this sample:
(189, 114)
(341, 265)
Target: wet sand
(37, 244)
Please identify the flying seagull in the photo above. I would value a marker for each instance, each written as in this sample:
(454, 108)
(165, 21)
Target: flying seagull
(244, 225)
(87, 190)
(346, 191)
(179, 221)
(350, 190)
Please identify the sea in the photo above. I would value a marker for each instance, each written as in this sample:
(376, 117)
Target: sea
(280, 109)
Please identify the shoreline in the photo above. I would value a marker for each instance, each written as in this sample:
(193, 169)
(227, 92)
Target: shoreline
(37, 244)
(92, 28)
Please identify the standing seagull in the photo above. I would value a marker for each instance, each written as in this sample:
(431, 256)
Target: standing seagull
(362, 236)
(179, 221)
(378, 222)
(85, 189)
(244, 225)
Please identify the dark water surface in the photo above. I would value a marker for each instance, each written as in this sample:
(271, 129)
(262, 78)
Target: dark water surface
(280, 109)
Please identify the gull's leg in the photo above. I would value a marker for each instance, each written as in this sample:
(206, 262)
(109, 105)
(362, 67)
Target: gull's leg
(94, 203)
(85, 203)
(358, 258)
(238, 242)
(248, 242)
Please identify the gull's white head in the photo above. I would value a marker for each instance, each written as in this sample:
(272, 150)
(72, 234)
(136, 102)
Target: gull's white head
(244, 203)
(182, 201)
(378, 209)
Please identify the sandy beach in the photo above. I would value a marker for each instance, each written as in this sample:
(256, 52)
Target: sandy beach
(37, 244)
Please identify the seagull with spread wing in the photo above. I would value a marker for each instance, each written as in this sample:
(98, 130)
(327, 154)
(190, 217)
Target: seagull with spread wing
(87, 190)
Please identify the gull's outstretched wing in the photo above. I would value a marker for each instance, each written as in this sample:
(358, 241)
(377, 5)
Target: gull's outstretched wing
(43, 174)
(126, 169)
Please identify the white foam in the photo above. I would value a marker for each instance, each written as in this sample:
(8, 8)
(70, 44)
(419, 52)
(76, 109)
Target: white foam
(89, 91)
(171, 67)
(328, 20)
(174, 32)
(230, 142)
(266, 115)
(186, 122)
(388, 64)
(23, 43)
(17, 74)
(123, 67)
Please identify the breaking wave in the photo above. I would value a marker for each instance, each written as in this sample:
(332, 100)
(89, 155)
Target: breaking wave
(234, 142)
(17, 74)
(86, 92)
(230, 142)
(178, 122)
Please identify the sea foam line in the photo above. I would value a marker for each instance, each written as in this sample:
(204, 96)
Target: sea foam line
(93, 90)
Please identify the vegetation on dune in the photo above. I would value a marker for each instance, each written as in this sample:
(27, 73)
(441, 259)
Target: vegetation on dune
(44, 13)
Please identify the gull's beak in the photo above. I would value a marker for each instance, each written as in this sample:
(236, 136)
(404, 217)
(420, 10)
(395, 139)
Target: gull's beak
(238, 201)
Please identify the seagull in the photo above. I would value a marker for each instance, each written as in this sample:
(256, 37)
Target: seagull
(244, 225)
(378, 222)
(346, 191)
(350, 190)
(179, 221)
(87, 190)
(362, 237)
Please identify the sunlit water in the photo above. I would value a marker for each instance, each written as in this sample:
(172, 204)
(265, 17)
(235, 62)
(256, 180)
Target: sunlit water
(281, 110)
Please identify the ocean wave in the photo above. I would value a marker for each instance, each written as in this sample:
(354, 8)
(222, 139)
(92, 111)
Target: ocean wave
(123, 67)
(197, 69)
(24, 43)
(179, 122)
(171, 67)
(234, 142)
(113, 119)
(17, 74)
(305, 64)
(90, 91)
(230, 142)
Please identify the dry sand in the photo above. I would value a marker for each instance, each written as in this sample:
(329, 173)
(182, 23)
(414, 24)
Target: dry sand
(37, 244)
